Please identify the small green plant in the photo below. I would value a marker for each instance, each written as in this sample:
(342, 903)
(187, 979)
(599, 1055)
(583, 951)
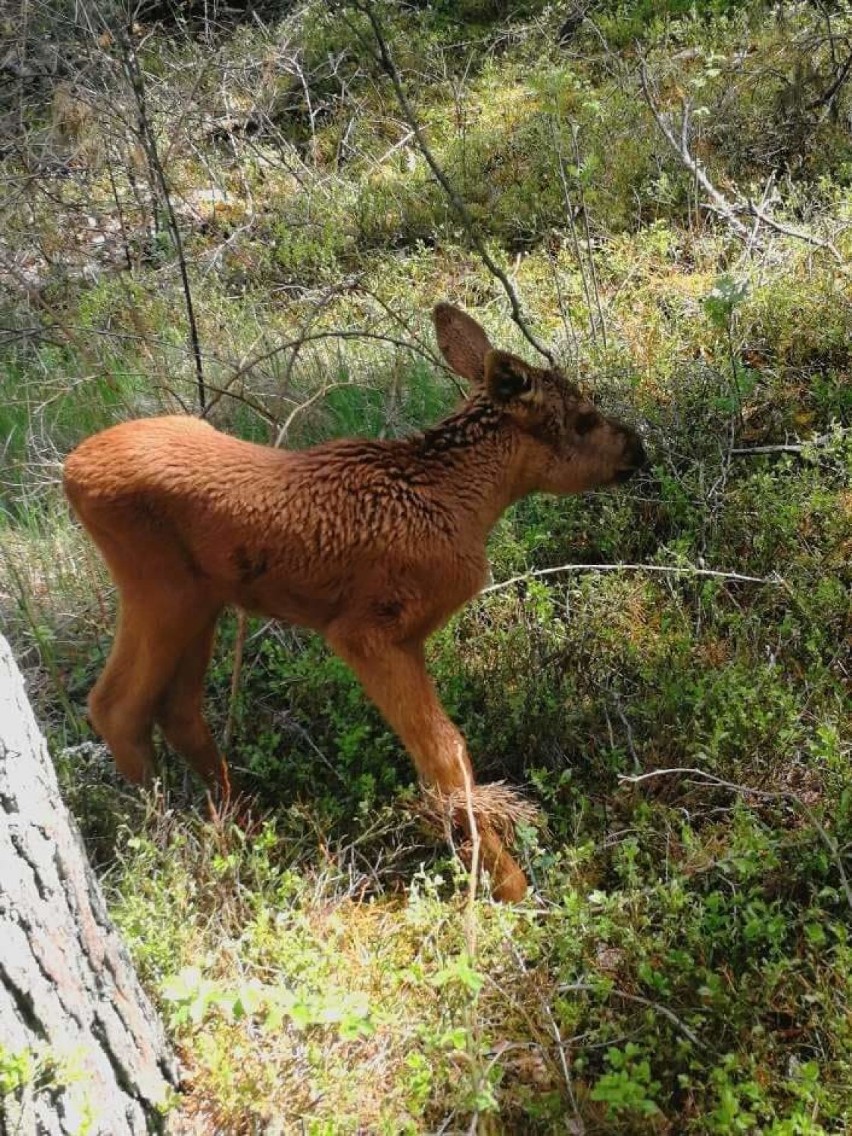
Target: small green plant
(191, 997)
(627, 1088)
(723, 300)
(17, 1070)
(26, 1074)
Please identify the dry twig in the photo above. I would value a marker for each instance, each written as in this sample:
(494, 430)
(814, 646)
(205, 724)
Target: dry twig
(147, 139)
(385, 60)
(672, 570)
(762, 794)
(791, 447)
(718, 203)
(657, 1007)
(680, 146)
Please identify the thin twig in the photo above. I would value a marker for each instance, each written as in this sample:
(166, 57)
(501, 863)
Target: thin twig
(590, 988)
(680, 147)
(719, 203)
(475, 847)
(579, 1126)
(791, 447)
(290, 365)
(756, 211)
(828, 97)
(236, 675)
(674, 570)
(299, 342)
(303, 406)
(765, 795)
(149, 143)
(572, 228)
(386, 61)
(470, 924)
(584, 210)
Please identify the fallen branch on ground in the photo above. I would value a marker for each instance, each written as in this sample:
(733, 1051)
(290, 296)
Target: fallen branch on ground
(590, 988)
(718, 203)
(662, 568)
(763, 794)
(790, 447)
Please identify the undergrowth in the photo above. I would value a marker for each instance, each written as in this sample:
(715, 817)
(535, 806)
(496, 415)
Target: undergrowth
(668, 676)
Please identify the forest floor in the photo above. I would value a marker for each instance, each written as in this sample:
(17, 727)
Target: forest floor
(670, 196)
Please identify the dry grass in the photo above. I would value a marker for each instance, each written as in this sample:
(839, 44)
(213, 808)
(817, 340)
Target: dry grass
(496, 805)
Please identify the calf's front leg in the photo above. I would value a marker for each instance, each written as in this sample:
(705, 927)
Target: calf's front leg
(394, 676)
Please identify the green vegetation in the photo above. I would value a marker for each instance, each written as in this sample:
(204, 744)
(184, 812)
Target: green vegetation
(24, 1074)
(684, 963)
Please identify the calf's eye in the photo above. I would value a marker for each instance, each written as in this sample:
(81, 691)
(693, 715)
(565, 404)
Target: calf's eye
(586, 422)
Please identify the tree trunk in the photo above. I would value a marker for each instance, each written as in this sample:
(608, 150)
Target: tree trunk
(81, 1048)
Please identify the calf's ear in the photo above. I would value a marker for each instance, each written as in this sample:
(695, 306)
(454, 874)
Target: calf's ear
(462, 341)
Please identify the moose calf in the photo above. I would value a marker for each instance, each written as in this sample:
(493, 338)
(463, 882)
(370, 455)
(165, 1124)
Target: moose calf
(374, 544)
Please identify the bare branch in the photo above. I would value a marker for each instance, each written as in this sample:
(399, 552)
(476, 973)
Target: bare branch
(680, 147)
(591, 988)
(385, 59)
(828, 97)
(571, 214)
(146, 137)
(303, 406)
(791, 447)
(315, 336)
(718, 203)
(673, 570)
(764, 795)
(756, 212)
(236, 677)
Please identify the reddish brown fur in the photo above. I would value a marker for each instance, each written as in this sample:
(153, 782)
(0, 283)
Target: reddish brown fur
(374, 544)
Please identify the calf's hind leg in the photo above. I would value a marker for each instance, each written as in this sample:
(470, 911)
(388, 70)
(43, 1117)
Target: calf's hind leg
(123, 723)
(395, 678)
(180, 716)
(155, 629)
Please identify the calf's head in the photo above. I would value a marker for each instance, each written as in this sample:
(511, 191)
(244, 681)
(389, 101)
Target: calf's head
(568, 445)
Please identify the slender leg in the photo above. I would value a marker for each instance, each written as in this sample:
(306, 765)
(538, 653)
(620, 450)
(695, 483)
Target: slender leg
(156, 626)
(179, 714)
(127, 735)
(395, 678)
